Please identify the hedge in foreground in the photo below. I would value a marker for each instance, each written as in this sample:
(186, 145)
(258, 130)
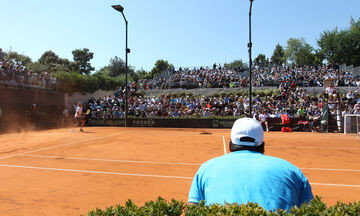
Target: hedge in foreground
(176, 208)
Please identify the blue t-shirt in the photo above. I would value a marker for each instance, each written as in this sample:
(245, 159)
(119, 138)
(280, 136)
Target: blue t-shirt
(247, 176)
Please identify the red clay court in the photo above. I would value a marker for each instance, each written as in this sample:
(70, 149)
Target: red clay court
(56, 172)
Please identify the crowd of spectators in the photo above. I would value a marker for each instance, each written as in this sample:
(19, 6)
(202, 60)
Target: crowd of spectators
(205, 77)
(220, 77)
(309, 76)
(294, 101)
(13, 73)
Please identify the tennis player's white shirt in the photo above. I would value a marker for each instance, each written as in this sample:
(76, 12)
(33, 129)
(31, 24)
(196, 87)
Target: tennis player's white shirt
(263, 117)
(78, 112)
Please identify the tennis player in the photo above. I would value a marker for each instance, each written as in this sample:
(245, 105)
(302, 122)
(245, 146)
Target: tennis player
(79, 118)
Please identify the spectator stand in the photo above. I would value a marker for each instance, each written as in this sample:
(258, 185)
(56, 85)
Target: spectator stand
(15, 74)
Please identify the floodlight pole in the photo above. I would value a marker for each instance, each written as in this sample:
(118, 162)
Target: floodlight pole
(127, 51)
(250, 61)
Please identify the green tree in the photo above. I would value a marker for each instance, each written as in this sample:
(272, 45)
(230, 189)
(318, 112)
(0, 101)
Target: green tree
(278, 56)
(299, 52)
(18, 58)
(82, 59)
(341, 46)
(141, 74)
(49, 58)
(51, 62)
(160, 66)
(305, 55)
(104, 70)
(237, 65)
(261, 60)
(116, 67)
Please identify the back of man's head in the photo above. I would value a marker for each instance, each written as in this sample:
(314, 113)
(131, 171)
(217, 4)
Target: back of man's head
(247, 134)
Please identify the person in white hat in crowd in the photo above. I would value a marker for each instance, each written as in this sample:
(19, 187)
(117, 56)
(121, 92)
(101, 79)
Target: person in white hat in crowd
(357, 108)
(247, 175)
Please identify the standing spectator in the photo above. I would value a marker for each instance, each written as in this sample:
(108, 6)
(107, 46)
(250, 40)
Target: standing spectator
(53, 83)
(2, 55)
(247, 175)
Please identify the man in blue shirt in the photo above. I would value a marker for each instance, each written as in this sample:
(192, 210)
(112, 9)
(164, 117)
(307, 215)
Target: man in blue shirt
(247, 175)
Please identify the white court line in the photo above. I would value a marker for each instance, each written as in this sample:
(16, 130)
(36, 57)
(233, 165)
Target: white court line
(109, 160)
(141, 175)
(314, 147)
(338, 185)
(95, 172)
(325, 169)
(56, 146)
(165, 163)
(224, 145)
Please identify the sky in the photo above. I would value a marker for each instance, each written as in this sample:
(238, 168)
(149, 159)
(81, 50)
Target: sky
(186, 33)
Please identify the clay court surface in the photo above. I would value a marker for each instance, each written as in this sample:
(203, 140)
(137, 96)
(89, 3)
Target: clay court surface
(56, 172)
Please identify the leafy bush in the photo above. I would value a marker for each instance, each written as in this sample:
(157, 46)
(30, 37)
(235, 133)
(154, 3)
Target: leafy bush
(156, 208)
(70, 82)
(140, 93)
(177, 208)
(215, 94)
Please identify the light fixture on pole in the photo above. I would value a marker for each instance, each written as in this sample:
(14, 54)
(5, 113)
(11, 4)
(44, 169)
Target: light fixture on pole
(127, 50)
(250, 61)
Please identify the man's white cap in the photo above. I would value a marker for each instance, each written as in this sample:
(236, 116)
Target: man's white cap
(247, 132)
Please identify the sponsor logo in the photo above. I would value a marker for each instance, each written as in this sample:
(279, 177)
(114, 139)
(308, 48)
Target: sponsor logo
(222, 123)
(143, 123)
(106, 122)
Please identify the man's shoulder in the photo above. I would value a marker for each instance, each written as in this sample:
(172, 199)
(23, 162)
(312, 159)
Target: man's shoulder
(230, 158)
(213, 161)
(277, 160)
(249, 155)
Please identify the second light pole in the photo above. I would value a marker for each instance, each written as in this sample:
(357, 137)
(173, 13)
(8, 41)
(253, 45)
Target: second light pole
(127, 51)
(250, 62)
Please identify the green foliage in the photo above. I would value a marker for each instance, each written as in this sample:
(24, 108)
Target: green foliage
(152, 208)
(82, 59)
(116, 68)
(160, 66)
(141, 74)
(110, 83)
(227, 209)
(18, 58)
(305, 56)
(341, 46)
(215, 94)
(104, 70)
(176, 208)
(300, 52)
(71, 82)
(50, 62)
(278, 56)
(242, 92)
(237, 65)
(140, 93)
(261, 60)
(37, 67)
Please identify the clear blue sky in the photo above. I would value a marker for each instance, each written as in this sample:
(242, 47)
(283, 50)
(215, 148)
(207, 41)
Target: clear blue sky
(183, 32)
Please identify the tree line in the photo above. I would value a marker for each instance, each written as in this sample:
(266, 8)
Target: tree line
(334, 46)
